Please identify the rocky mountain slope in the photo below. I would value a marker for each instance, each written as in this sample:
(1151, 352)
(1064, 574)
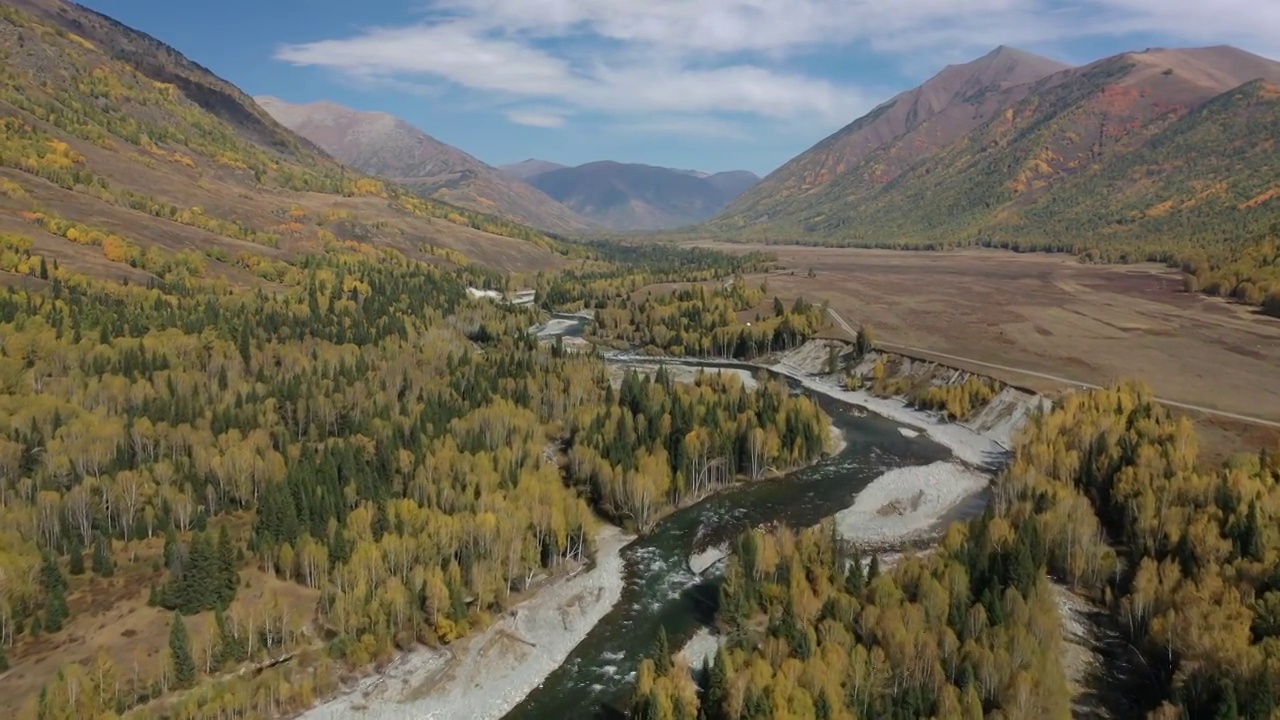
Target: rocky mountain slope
(121, 158)
(904, 129)
(386, 146)
(1140, 154)
(626, 196)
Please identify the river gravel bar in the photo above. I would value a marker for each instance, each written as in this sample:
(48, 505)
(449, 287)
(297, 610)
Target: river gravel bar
(483, 677)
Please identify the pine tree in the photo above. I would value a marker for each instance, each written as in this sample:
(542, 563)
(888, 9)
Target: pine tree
(1227, 708)
(662, 659)
(103, 564)
(44, 268)
(824, 709)
(171, 547)
(833, 359)
(4, 658)
(856, 579)
(55, 600)
(1251, 544)
(228, 575)
(243, 344)
(76, 557)
(866, 341)
(718, 683)
(184, 666)
(231, 648)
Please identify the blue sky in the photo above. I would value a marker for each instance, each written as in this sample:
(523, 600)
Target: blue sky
(699, 84)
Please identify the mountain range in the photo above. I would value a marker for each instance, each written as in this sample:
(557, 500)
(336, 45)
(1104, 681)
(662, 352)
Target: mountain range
(1161, 154)
(1128, 156)
(635, 197)
(567, 200)
(386, 146)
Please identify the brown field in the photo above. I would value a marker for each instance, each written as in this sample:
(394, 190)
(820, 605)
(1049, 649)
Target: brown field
(1051, 314)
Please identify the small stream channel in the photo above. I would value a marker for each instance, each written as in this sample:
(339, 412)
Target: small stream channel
(662, 592)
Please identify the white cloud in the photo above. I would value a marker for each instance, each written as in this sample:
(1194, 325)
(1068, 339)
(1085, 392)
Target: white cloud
(534, 118)
(689, 61)
(455, 51)
(789, 26)
(470, 56)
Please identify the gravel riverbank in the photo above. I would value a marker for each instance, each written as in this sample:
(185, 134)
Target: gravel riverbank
(486, 675)
(907, 501)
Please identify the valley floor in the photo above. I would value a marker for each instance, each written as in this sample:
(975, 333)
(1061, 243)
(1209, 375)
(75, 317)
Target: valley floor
(1051, 314)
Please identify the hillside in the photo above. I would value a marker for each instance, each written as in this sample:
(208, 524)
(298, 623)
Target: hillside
(385, 146)
(902, 130)
(624, 196)
(526, 169)
(1161, 154)
(121, 158)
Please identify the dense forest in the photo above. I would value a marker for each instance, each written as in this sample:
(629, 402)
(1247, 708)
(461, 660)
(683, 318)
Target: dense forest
(813, 631)
(656, 443)
(367, 434)
(1196, 591)
(724, 321)
(1104, 495)
(620, 269)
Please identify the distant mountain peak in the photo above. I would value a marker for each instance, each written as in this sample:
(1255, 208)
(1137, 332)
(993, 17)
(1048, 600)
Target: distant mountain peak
(911, 125)
(382, 144)
(1003, 51)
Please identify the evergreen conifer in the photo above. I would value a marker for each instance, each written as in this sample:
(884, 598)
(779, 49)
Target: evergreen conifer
(184, 666)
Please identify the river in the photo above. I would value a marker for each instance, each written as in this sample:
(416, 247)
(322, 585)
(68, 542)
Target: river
(662, 592)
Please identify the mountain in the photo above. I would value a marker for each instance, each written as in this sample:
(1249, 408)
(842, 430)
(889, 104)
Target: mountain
(526, 169)
(733, 182)
(628, 197)
(120, 157)
(1146, 149)
(386, 146)
(907, 127)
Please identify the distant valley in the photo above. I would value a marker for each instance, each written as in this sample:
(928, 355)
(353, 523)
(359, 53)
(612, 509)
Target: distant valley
(635, 197)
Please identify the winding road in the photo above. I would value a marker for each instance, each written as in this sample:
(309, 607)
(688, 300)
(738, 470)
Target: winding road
(929, 354)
